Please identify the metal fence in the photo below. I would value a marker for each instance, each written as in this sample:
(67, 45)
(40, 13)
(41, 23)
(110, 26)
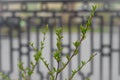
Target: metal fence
(21, 24)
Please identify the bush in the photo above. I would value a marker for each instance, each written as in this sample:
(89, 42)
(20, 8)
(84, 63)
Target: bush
(26, 73)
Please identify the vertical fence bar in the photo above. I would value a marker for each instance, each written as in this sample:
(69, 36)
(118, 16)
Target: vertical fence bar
(20, 48)
(69, 40)
(11, 49)
(111, 36)
(119, 53)
(101, 55)
(51, 45)
(91, 48)
(0, 47)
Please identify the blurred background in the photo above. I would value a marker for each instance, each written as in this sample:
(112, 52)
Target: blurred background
(21, 22)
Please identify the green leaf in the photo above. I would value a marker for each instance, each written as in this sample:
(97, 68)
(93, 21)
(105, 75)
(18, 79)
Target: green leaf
(39, 53)
(58, 31)
(58, 44)
(74, 71)
(76, 43)
(54, 69)
(22, 74)
(45, 30)
(92, 56)
(50, 73)
(57, 56)
(94, 7)
(31, 44)
(68, 57)
(30, 72)
(83, 62)
(32, 63)
(4, 76)
(81, 27)
(76, 52)
(36, 57)
(20, 65)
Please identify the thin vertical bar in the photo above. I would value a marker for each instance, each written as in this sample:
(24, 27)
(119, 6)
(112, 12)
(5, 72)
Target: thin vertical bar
(0, 48)
(27, 45)
(51, 46)
(91, 48)
(79, 35)
(111, 42)
(19, 49)
(11, 46)
(69, 40)
(101, 42)
(119, 52)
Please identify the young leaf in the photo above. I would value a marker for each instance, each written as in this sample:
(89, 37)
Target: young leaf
(74, 71)
(83, 63)
(31, 44)
(76, 43)
(30, 72)
(54, 69)
(92, 56)
(68, 57)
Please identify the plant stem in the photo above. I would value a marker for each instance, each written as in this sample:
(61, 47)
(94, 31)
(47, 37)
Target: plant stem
(74, 53)
(71, 77)
(79, 68)
(46, 65)
(57, 70)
